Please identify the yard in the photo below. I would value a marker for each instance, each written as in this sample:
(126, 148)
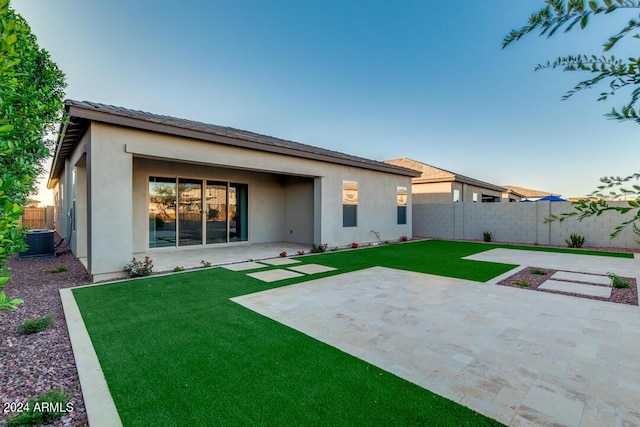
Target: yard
(176, 351)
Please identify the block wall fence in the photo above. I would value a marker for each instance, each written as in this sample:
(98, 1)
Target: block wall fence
(518, 223)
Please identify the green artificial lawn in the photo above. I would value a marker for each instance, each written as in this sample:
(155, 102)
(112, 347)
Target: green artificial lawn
(176, 351)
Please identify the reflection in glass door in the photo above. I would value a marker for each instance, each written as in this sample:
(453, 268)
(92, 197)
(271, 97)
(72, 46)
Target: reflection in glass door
(162, 212)
(238, 207)
(189, 212)
(216, 212)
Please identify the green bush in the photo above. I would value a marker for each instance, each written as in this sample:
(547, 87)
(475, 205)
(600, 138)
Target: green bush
(43, 409)
(178, 268)
(319, 248)
(139, 268)
(618, 282)
(58, 269)
(521, 283)
(486, 236)
(33, 326)
(538, 271)
(575, 241)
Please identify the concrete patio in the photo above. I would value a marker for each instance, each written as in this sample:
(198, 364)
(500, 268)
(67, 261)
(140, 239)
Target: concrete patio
(522, 358)
(164, 260)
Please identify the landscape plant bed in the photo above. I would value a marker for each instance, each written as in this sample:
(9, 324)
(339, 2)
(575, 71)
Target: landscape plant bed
(618, 295)
(37, 363)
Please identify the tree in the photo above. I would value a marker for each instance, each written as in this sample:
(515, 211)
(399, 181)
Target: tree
(31, 101)
(620, 74)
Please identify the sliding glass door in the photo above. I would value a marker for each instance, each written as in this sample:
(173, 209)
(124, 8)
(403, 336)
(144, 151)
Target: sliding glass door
(216, 209)
(187, 212)
(238, 198)
(162, 212)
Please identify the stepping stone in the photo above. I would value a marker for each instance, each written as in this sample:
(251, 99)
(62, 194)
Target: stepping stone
(274, 275)
(576, 288)
(582, 277)
(280, 261)
(312, 268)
(242, 266)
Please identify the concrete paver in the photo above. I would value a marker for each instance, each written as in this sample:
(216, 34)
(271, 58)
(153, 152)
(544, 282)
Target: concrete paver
(581, 277)
(576, 288)
(281, 261)
(625, 267)
(537, 360)
(312, 268)
(274, 275)
(243, 266)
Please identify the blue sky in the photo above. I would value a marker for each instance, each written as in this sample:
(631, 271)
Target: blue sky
(380, 79)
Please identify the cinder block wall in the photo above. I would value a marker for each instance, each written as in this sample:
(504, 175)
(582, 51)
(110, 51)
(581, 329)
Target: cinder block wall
(518, 223)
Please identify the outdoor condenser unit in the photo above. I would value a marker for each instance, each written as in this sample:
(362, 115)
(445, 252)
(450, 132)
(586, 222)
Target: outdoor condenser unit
(39, 245)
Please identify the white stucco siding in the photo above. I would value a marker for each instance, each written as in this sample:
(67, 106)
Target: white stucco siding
(377, 207)
(109, 175)
(436, 192)
(289, 199)
(299, 212)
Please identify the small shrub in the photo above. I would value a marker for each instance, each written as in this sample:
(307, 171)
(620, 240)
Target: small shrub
(319, 248)
(521, 283)
(43, 409)
(354, 245)
(58, 269)
(300, 252)
(335, 248)
(205, 264)
(486, 236)
(139, 268)
(575, 240)
(283, 254)
(33, 326)
(178, 268)
(618, 282)
(404, 238)
(538, 271)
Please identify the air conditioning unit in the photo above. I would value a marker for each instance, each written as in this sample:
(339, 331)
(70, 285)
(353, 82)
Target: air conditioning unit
(39, 245)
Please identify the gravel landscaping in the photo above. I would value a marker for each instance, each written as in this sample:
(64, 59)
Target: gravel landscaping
(618, 295)
(37, 363)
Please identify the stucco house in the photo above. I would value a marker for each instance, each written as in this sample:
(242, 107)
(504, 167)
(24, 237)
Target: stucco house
(127, 182)
(436, 185)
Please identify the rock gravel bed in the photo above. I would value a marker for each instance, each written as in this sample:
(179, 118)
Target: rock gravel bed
(618, 295)
(37, 363)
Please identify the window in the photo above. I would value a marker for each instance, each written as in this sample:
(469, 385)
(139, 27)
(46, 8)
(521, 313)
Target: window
(349, 204)
(185, 212)
(456, 195)
(401, 202)
(475, 197)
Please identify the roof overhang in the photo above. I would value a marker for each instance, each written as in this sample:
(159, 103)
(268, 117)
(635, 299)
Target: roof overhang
(79, 116)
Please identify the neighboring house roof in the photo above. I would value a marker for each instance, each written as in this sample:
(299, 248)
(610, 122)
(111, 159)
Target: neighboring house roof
(81, 113)
(529, 193)
(431, 174)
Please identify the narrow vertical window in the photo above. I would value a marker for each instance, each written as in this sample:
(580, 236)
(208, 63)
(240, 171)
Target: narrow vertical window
(401, 202)
(349, 204)
(456, 195)
(475, 197)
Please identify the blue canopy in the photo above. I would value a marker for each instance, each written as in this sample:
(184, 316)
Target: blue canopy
(551, 199)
